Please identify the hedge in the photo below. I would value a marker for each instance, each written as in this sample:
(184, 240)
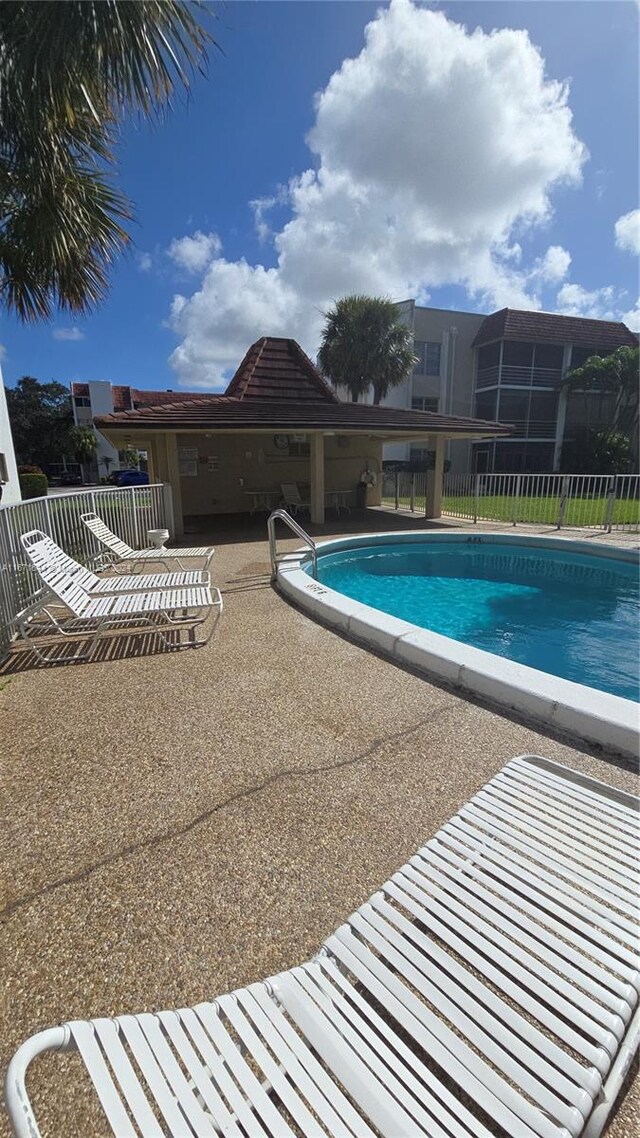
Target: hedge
(33, 485)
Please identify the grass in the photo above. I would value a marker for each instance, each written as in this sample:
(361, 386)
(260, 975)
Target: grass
(502, 508)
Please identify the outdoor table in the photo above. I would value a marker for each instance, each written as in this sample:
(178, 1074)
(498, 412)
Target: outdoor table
(263, 500)
(338, 500)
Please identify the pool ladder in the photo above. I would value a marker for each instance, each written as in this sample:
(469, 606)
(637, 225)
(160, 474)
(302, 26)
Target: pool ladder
(299, 532)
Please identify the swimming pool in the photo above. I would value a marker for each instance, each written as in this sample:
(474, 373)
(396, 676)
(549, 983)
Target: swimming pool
(547, 626)
(572, 614)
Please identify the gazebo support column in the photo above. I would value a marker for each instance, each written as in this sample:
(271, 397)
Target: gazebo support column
(433, 500)
(317, 479)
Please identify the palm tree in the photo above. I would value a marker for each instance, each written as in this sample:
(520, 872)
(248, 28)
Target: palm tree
(69, 72)
(365, 344)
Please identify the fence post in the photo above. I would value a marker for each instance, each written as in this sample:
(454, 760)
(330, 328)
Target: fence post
(168, 518)
(476, 499)
(610, 504)
(517, 499)
(47, 514)
(397, 479)
(564, 497)
(413, 492)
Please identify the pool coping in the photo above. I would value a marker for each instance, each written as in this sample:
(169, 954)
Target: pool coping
(595, 716)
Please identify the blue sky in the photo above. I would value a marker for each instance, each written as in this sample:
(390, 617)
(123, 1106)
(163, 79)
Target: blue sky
(445, 162)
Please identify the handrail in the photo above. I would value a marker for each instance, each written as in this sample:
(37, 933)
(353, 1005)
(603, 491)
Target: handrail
(298, 530)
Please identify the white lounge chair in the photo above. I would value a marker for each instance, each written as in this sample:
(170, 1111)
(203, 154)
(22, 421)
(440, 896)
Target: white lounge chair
(119, 551)
(168, 613)
(122, 583)
(490, 987)
(292, 498)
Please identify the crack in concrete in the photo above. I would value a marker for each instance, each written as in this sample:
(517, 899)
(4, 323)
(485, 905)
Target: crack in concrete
(205, 815)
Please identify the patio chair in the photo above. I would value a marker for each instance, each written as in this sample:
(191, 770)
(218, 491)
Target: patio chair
(489, 987)
(167, 613)
(292, 498)
(118, 552)
(122, 583)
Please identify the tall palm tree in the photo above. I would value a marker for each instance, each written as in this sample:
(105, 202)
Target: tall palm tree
(70, 70)
(365, 344)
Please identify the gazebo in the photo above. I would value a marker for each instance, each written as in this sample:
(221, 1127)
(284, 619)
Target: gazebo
(278, 423)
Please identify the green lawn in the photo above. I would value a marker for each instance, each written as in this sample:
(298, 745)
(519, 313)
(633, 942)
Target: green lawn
(502, 508)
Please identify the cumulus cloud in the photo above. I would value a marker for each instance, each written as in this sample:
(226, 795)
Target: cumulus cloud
(632, 317)
(194, 253)
(145, 262)
(434, 151)
(627, 231)
(554, 266)
(597, 304)
(67, 334)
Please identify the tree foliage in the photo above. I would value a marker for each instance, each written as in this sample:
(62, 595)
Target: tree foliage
(365, 344)
(83, 443)
(598, 452)
(70, 70)
(612, 447)
(41, 421)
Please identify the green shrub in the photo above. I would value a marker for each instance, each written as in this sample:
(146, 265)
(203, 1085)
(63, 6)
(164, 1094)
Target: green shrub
(33, 485)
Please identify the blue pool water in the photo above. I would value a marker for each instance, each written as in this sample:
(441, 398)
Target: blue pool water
(572, 614)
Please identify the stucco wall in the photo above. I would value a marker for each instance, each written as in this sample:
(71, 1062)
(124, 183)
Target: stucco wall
(11, 488)
(257, 461)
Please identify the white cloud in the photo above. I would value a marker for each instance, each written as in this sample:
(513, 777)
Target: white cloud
(627, 231)
(196, 252)
(434, 151)
(554, 266)
(262, 206)
(67, 334)
(145, 262)
(598, 303)
(632, 317)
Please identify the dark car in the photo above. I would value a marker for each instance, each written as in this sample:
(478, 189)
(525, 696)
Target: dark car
(129, 478)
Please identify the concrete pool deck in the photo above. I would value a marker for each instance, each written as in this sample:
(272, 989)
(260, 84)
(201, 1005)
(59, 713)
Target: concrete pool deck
(176, 825)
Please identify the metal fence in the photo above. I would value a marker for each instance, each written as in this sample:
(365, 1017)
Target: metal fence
(590, 501)
(129, 512)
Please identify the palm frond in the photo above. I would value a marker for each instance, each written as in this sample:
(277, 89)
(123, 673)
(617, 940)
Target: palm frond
(68, 72)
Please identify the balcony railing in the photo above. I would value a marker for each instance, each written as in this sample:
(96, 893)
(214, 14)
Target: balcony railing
(532, 428)
(510, 374)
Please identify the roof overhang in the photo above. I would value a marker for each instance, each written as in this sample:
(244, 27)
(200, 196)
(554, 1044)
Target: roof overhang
(119, 432)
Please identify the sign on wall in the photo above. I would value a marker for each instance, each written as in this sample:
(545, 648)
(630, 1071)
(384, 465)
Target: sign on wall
(188, 462)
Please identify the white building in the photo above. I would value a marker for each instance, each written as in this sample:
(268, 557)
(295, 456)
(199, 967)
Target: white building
(9, 484)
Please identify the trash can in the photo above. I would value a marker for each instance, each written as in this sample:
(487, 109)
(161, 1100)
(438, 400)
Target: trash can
(361, 496)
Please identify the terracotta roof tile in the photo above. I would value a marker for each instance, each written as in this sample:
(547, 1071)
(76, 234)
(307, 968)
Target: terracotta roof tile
(223, 412)
(517, 324)
(277, 368)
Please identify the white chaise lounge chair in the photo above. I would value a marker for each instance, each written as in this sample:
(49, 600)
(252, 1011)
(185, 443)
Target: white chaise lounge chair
(167, 613)
(489, 988)
(117, 551)
(120, 583)
(292, 498)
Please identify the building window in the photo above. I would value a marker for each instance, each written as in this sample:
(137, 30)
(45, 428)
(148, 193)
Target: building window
(432, 358)
(420, 454)
(488, 356)
(516, 354)
(425, 403)
(579, 356)
(488, 370)
(428, 353)
(4, 473)
(81, 401)
(486, 405)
